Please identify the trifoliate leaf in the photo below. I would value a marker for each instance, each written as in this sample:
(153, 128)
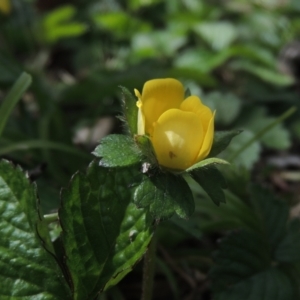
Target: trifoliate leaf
(130, 111)
(27, 270)
(165, 194)
(244, 270)
(104, 233)
(117, 150)
(212, 182)
(288, 250)
(272, 214)
(221, 140)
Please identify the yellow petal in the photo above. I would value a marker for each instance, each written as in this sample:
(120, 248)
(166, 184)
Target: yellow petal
(158, 96)
(177, 138)
(194, 104)
(208, 140)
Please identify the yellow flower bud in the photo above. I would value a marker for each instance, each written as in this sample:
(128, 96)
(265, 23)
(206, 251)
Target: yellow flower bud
(181, 130)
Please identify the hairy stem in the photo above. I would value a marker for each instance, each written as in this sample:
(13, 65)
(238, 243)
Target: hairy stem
(149, 270)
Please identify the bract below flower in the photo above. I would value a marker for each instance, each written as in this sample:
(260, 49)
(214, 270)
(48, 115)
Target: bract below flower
(181, 130)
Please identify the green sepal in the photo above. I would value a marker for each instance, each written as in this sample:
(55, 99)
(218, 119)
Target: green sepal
(104, 233)
(146, 147)
(27, 269)
(165, 194)
(187, 93)
(207, 162)
(130, 111)
(212, 181)
(117, 150)
(222, 140)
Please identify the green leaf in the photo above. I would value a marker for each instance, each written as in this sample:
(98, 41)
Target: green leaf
(288, 250)
(268, 75)
(165, 194)
(277, 137)
(130, 111)
(207, 162)
(117, 150)
(218, 34)
(27, 271)
(272, 214)
(12, 98)
(227, 106)
(58, 24)
(221, 140)
(248, 156)
(212, 182)
(244, 271)
(104, 233)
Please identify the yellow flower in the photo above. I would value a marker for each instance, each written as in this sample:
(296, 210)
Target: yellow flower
(181, 130)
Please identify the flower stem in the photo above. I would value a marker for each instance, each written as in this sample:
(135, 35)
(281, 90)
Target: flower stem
(149, 270)
(50, 218)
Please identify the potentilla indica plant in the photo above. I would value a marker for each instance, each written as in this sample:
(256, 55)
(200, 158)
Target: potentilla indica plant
(108, 216)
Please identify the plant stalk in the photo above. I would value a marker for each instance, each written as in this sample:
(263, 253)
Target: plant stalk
(149, 270)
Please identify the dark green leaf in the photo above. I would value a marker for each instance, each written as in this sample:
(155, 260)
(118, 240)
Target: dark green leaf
(243, 270)
(272, 214)
(222, 140)
(117, 150)
(165, 194)
(104, 234)
(27, 271)
(288, 249)
(130, 111)
(12, 98)
(212, 182)
(190, 227)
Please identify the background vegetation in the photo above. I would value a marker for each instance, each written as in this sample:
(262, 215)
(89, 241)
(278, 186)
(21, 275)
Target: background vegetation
(241, 57)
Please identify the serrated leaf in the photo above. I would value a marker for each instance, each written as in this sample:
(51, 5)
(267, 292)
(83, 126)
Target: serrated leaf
(244, 271)
(212, 182)
(104, 233)
(221, 140)
(272, 214)
(207, 163)
(288, 250)
(130, 111)
(117, 150)
(165, 194)
(27, 271)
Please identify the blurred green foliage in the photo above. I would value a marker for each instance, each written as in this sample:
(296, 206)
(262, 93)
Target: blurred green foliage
(231, 53)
